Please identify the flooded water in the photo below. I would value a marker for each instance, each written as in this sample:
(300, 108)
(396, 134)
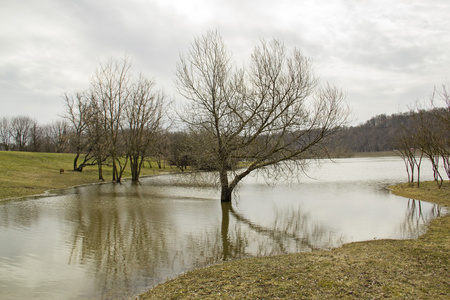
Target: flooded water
(115, 241)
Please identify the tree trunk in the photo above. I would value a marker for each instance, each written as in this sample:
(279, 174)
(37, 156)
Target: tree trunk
(120, 169)
(134, 166)
(139, 168)
(114, 169)
(226, 190)
(418, 175)
(225, 227)
(226, 194)
(75, 162)
(100, 169)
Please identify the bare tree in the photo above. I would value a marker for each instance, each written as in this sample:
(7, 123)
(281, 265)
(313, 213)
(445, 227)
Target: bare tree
(431, 131)
(110, 92)
(426, 134)
(273, 113)
(407, 148)
(98, 142)
(117, 120)
(20, 131)
(429, 138)
(36, 137)
(5, 133)
(442, 115)
(78, 114)
(60, 135)
(47, 139)
(442, 95)
(179, 148)
(144, 112)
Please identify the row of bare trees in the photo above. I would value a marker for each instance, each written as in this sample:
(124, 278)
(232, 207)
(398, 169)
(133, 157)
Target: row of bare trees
(427, 135)
(119, 119)
(273, 113)
(22, 133)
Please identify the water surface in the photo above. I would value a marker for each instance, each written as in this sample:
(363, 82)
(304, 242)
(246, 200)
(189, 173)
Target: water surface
(114, 241)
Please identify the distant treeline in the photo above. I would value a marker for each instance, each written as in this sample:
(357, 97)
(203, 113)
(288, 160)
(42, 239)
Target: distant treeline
(375, 135)
(380, 133)
(422, 133)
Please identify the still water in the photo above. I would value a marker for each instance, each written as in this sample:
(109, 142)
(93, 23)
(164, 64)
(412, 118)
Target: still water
(115, 241)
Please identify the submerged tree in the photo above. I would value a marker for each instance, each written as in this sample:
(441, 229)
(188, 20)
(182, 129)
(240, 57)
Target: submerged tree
(273, 113)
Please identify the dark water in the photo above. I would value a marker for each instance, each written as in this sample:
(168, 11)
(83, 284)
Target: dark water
(114, 241)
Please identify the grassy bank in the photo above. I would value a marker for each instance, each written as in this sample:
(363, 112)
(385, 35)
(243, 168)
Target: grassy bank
(27, 173)
(397, 269)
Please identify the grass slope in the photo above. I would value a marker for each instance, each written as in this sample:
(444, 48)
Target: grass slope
(29, 173)
(395, 269)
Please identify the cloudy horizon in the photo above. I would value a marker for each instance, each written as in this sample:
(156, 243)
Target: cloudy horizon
(384, 55)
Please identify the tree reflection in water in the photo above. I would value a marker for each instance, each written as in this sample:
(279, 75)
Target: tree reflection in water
(121, 242)
(128, 238)
(127, 245)
(415, 218)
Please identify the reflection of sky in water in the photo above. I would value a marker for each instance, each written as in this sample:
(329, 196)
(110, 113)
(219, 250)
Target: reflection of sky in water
(113, 241)
(348, 211)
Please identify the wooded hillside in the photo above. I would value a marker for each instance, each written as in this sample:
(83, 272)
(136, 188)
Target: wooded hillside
(376, 134)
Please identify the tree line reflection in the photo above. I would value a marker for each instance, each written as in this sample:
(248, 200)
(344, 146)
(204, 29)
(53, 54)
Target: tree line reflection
(128, 238)
(412, 225)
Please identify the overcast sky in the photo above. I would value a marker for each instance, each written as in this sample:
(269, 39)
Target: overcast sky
(384, 54)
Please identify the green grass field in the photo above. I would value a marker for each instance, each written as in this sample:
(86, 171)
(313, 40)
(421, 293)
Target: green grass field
(29, 173)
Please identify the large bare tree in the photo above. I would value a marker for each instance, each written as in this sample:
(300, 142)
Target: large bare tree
(272, 113)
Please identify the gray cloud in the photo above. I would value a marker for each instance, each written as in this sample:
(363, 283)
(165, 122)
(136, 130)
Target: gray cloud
(384, 54)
